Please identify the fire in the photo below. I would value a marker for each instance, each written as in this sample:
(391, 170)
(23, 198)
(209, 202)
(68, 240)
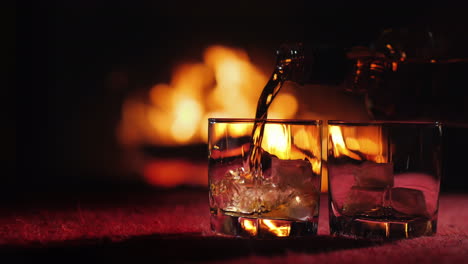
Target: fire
(339, 145)
(187, 115)
(265, 227)
(225, 84)
(249, 225)
(234, 130)
(277, 140)
(276, 227)
(316, 165)
(369, 143)
(240, 130)
(310, 140)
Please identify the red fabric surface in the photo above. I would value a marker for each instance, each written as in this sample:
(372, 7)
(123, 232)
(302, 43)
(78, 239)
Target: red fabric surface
(174, 226)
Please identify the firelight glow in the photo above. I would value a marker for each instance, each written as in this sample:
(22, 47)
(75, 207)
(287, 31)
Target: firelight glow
(339, 145)
(370, 143)
(277, 140)
(249, 225)
(240, 130)
(187, 115)
(276, 227)
(226, 84)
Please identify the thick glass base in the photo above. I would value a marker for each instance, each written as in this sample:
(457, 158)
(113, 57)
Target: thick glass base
(381, 229)
(261, 227)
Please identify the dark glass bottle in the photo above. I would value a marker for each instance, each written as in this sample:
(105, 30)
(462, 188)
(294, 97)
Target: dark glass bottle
(405, 74)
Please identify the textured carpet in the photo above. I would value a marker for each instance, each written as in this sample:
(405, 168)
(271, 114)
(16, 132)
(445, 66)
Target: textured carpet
(173, 226)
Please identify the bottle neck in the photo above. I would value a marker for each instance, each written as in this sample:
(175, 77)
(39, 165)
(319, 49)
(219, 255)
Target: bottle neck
(289, 63)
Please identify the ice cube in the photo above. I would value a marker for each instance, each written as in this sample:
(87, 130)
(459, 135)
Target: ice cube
(297, 207)
(426, 183)
(341, 179)
(238, 191)
(272, 197)
(290, 173)
(217, 170)
(374, 175)
(362, 200)
(231, 191)
(262, 198)
(245, 200)
(409, 202)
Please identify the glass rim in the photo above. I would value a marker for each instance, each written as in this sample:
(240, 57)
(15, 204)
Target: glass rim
(385, 122)
(268, 121)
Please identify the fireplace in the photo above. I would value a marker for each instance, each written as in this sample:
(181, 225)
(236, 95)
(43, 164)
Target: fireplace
(163, 120)
(113, 80)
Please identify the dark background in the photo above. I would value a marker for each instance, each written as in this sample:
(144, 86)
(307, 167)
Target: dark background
(76, 61)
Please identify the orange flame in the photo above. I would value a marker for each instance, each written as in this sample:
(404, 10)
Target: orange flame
(310, 140)
(369, 142)
(249, 225)
(276, 227)
(226, 84)
(339, 145)
(277, 141)
(187, 117)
